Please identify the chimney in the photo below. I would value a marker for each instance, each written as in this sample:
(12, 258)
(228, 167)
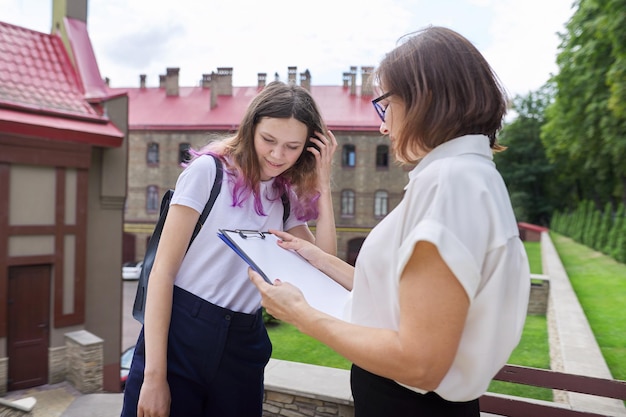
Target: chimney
(367, 89)
(261, 79)
(213, 84)
(171, 82)
(206, 80)
(305, 80)
(291, 75)
(224, 81)
(346, 79)
(142, 81)
(353, 81)
(161, 81)
(75, 9)
(276, 77)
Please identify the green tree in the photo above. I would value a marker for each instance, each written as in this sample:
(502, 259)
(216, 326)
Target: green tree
(602, 238)
(585, 129)
(524, 166)
(616, 232)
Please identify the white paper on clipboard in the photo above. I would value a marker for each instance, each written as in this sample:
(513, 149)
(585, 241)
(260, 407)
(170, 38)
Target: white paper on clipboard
(260, 250)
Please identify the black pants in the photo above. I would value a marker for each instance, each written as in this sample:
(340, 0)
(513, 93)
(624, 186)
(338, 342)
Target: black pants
(215, 361)
(375, 396)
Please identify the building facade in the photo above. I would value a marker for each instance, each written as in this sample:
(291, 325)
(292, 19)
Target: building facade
(167, 119)
(62, 191)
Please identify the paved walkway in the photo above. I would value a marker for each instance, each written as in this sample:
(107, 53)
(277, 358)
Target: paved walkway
(573, 349)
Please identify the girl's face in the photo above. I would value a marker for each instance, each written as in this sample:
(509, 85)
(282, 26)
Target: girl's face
(278, 144)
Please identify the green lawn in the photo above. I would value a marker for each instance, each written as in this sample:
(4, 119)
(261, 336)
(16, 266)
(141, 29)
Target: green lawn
(600, 284)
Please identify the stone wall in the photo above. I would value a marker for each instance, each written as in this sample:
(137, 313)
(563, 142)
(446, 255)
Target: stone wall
(278, 404)
(57, 364)
(325, 392)
(539, 294)
(84, 361)
(4, 375)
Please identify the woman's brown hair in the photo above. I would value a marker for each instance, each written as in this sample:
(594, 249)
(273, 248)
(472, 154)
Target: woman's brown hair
(448, 90)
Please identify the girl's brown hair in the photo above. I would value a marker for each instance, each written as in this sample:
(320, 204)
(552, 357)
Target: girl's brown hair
(283, 101)
(447, 87)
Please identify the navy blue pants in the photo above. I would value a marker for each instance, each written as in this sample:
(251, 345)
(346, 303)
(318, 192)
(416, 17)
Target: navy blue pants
(375, 396)
(215, 361)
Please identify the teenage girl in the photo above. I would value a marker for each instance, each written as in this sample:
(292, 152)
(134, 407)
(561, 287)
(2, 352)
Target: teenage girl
(203, 348)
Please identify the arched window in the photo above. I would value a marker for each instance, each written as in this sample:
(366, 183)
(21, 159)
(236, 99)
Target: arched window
(382, 156)
(152, 155)
(348, 156)
(347, 203)
(381, 203)
(152, 199)
(183, 152)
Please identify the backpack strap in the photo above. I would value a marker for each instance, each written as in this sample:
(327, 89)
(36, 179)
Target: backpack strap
(217, 187)
(139, 306)
(286, 207)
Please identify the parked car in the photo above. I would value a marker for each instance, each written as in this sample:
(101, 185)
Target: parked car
(125, 360)
(131, 270)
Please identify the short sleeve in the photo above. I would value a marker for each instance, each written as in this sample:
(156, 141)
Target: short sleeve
(455, 254)
(194, 184)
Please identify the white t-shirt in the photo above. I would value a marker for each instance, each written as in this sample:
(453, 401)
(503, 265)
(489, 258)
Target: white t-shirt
(456, 200)
(210, 268)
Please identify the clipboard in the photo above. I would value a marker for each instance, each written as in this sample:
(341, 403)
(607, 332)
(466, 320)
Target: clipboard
(261, 252)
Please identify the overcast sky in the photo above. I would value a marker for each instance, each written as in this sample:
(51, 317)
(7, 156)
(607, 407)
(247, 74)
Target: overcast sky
(133, 37)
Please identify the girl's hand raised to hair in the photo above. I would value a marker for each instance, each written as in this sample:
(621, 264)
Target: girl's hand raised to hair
(327, 145)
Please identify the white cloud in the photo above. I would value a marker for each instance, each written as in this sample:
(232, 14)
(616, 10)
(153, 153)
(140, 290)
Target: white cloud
(326, 36)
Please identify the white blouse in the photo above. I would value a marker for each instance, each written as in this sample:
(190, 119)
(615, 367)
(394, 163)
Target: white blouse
(456, 200)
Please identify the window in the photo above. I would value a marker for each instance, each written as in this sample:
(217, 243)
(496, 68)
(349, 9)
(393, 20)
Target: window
(152, 199)
(152, 156)
(382, 156)
(348, 156)
(347, 203)
(381, 199)
(183, 152)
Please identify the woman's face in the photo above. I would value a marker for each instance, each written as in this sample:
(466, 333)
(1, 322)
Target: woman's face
(394, 111)
(394, 118)
(278, 144)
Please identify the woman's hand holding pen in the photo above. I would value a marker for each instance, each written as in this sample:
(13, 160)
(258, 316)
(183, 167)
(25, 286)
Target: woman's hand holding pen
(282, 300)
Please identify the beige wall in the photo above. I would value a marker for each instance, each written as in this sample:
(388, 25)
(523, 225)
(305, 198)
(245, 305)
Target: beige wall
(365, 179)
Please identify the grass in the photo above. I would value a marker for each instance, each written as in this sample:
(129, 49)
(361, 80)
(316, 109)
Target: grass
(291, 345)
(533, 350)
(600, 284)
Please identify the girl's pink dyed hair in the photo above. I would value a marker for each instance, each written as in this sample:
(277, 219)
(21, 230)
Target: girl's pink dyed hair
(276, 100)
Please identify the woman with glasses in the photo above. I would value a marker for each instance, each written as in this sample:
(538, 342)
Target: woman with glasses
(440, 287)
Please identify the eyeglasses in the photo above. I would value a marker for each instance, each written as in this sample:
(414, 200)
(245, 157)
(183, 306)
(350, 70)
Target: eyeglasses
(380, 109)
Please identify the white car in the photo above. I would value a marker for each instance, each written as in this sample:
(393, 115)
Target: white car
(131, 270)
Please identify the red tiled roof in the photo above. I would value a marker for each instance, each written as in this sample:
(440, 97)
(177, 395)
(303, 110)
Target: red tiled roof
(37, 78)
(151, 109)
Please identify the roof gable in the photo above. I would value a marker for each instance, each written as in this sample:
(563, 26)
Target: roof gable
(41, 95)
(36, 74)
